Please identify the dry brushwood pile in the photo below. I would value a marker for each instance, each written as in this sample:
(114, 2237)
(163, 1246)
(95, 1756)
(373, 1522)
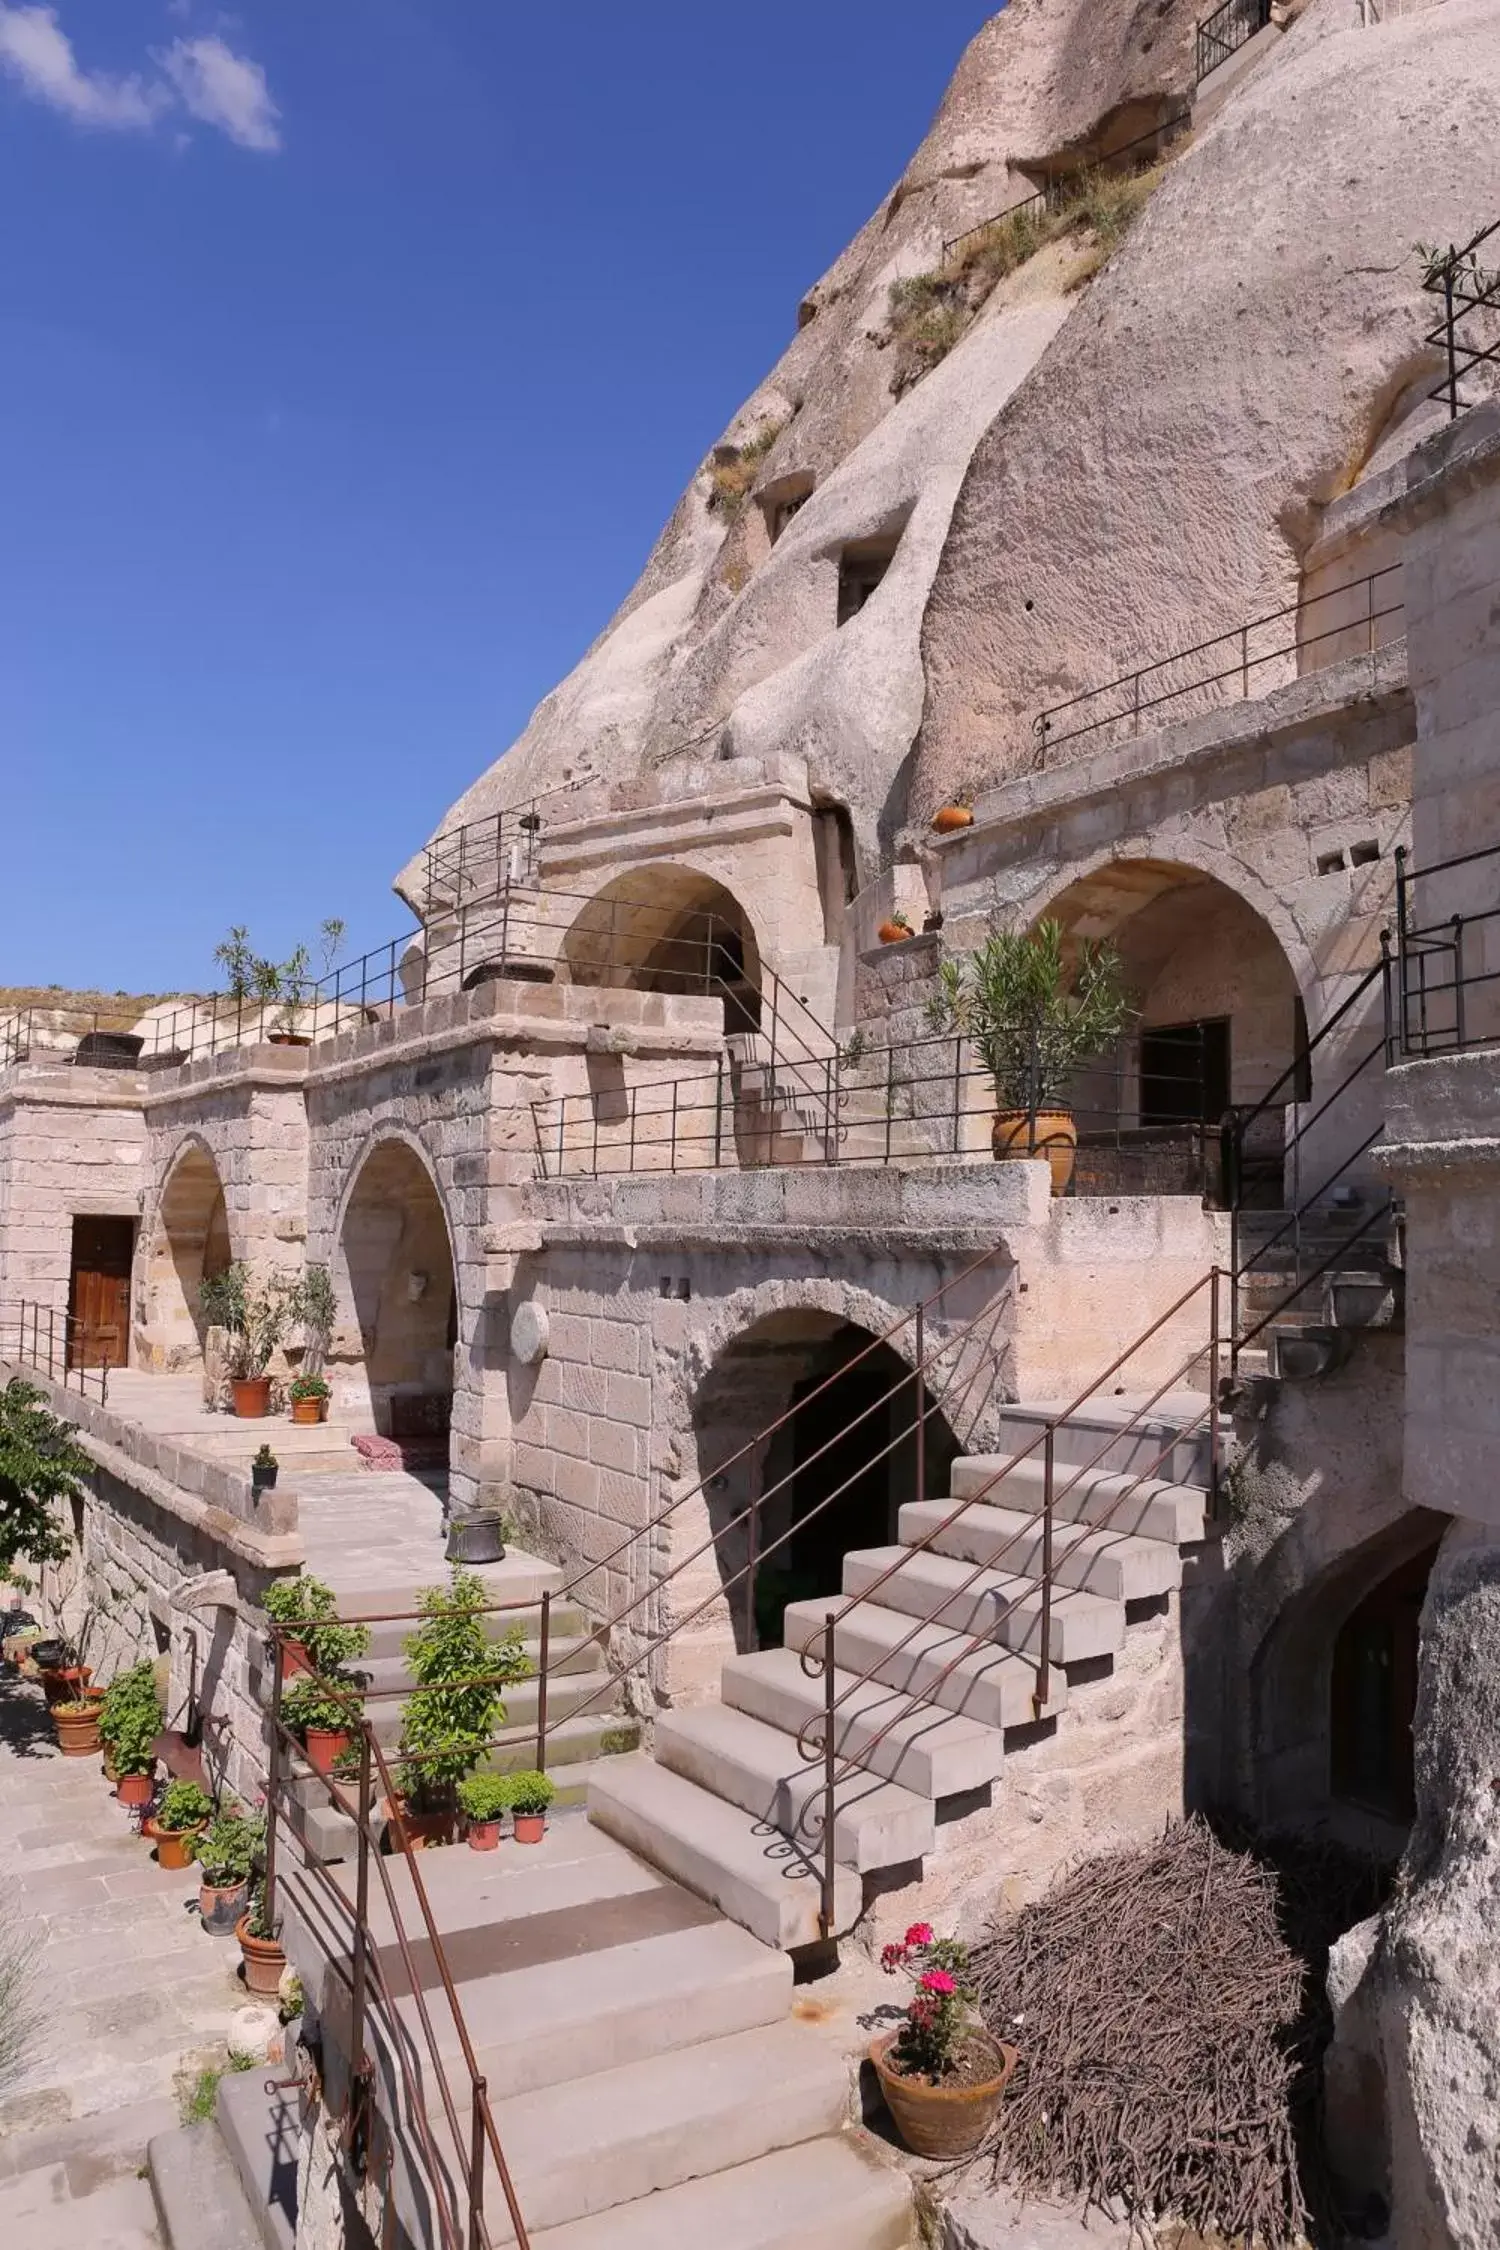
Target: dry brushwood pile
(1158, 2011)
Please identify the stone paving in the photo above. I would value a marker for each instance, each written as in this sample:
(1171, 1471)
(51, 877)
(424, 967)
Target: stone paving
(133, 1996)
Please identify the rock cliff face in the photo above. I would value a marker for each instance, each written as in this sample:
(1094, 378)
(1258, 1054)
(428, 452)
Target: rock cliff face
(1099, 470)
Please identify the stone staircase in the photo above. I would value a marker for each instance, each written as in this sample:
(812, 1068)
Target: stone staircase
(1363, 1286)
(727, 1804)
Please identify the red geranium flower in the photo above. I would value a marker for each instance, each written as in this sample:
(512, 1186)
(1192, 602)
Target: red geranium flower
(939, 1981)
(920, 1933)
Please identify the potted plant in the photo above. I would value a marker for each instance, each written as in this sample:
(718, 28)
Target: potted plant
(309, 1396)
(483, 1797)
(263, 1470)
(950, 818)
(227, 1851)
(1035, 1020)
(77, 1727)
(455, 1706)
(296, 1601)
(185, 1810)
(940, 2071)
(254, 1316)
(254, 981)
(133, 1743)
(528, 1796)
(63, 1677)
(894, 929)
(135, 1689)
(260, 1950)
(324, 1708)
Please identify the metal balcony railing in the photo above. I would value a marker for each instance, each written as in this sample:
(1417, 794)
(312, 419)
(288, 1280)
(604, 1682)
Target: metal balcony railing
(1229, 28)
(1447, 987)
(1131, 156)
(1467, 332)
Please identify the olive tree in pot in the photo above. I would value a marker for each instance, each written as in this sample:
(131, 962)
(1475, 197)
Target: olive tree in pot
(254, 1316)
(1035, 1018)
(455, 1707)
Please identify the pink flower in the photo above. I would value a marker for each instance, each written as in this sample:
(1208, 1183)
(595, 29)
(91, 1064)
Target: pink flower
(939, 1981)
(920, 1933)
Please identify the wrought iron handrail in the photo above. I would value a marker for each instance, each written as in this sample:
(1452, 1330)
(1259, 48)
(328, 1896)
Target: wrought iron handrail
(1466, 290)
(508, 841)
(1433, 1016)
(1222, 34)
(44, 1339)
(1231, 652)
(459, 2230)
(1056, 188)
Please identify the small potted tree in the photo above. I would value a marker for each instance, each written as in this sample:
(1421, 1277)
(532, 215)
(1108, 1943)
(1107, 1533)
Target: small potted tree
(1035, 1020)
(483, 1797)
(184, 1812)
(528, 1796)
(455, 1706)
(227, 1851)
(941, 2073)
(309, 1396)
(261, 1951)
(254, 1316)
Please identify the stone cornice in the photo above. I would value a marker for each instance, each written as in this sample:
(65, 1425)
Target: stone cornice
(1407, 1160)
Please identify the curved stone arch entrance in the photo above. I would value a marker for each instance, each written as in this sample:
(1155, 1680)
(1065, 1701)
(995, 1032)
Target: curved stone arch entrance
(399, 1312)
(665, 927)
(189, 1241)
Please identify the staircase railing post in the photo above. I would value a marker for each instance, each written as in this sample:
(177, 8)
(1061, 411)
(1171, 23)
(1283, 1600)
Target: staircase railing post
(1458, 979)
(830, 1699)
(752, 1552)
(1213, 1394)
(1388, 1016)
(1044, 1652)
(921, 1406)
(476, 2166)
(358, 2062)
(273, 1785)
(544, 1649)
(1402, 910)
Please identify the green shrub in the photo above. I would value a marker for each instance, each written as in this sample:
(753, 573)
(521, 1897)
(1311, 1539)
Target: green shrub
(309, 1611)
(447, 1720)
(40, 1466)
(230, 1848)
(132, 1690)
(331, 1705)
(483, 1796)
(132, 1742)
(528, 1792)
(184, 1805)
(732, 476)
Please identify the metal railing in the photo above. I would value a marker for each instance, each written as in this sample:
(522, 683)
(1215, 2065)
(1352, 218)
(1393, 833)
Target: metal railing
(457, 2182)
(1143, 151)
(1448, 963)
(1468, 291)
(476, 860)
(1229, 661)
(1139, 1129)
(1229, 28)
(39, 1336)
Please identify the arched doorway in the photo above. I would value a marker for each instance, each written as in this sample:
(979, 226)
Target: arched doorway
(832, 1478)
(396, 1284)
(1219, 1022)
(1373, 1694)
(668, 929)
(189, 1244)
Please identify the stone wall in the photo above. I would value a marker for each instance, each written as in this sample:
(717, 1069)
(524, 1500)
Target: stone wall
(72, 1144)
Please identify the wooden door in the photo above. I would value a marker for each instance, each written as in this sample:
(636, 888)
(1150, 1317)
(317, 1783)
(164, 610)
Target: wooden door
(99, 1292)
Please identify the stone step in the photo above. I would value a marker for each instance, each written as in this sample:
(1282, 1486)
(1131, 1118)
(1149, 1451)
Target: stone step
(261, 2132)
(988, 1684)
(200, 2202)
(825, 2195)
(757, 1767)
(37, 2208)
(722, 1853)
(521, 1579)
(1147, 1508)
(946, 1592)
(1110, 1563)
(568, 1622)
(1119, 1436)
(104, 2146)
(585, 2148)
(933, 1753)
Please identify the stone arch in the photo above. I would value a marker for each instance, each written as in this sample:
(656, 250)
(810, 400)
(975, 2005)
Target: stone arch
(1305, 1701)
(667, 927)
(399, 1318)
(189, 1241)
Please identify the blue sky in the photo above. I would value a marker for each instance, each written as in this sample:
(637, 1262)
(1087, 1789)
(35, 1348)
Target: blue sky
(352, 353)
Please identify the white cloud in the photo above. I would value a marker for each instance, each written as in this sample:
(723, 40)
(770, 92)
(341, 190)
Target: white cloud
(36, 50)
(204, 76)
(224, 89)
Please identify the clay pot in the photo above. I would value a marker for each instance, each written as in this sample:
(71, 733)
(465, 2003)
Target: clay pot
(948, 819)
(940, 2121)
(308, 1412)
(135, 1789)
(66, 1683)
(221, 1907)
(530, 1827)
(893, 933)
(77, 1729)
(422, 1828)
(294, 1659)
(174, 1846)
(264, 1960)
(252, 1396)
(484, 1835)
(324, 1745)
(1054, 1136)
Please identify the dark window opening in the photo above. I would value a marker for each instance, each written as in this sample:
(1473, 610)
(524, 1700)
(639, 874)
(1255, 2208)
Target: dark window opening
(861, 569)
(1374, 1694)
(1364, 855)
(783, 512)
(1301, 1057)
(1185, 1072)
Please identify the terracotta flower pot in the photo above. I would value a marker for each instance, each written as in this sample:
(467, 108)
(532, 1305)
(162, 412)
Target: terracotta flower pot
(948, 819)
(308, 1412)
(77, 1730)
(294, 1659)
(264, 1960)
(422, 1828)
(530, 1827)
(893, 933)
(252, 1396)
(221, 1906)
(174, 1846)
(135, 1789)
(324, 1744)
(1054, 1136)
(484, 1835)
(941, 2121)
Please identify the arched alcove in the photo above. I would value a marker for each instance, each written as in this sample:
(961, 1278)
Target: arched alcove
(663, 928)
(189, 1243)
(395, 1280)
